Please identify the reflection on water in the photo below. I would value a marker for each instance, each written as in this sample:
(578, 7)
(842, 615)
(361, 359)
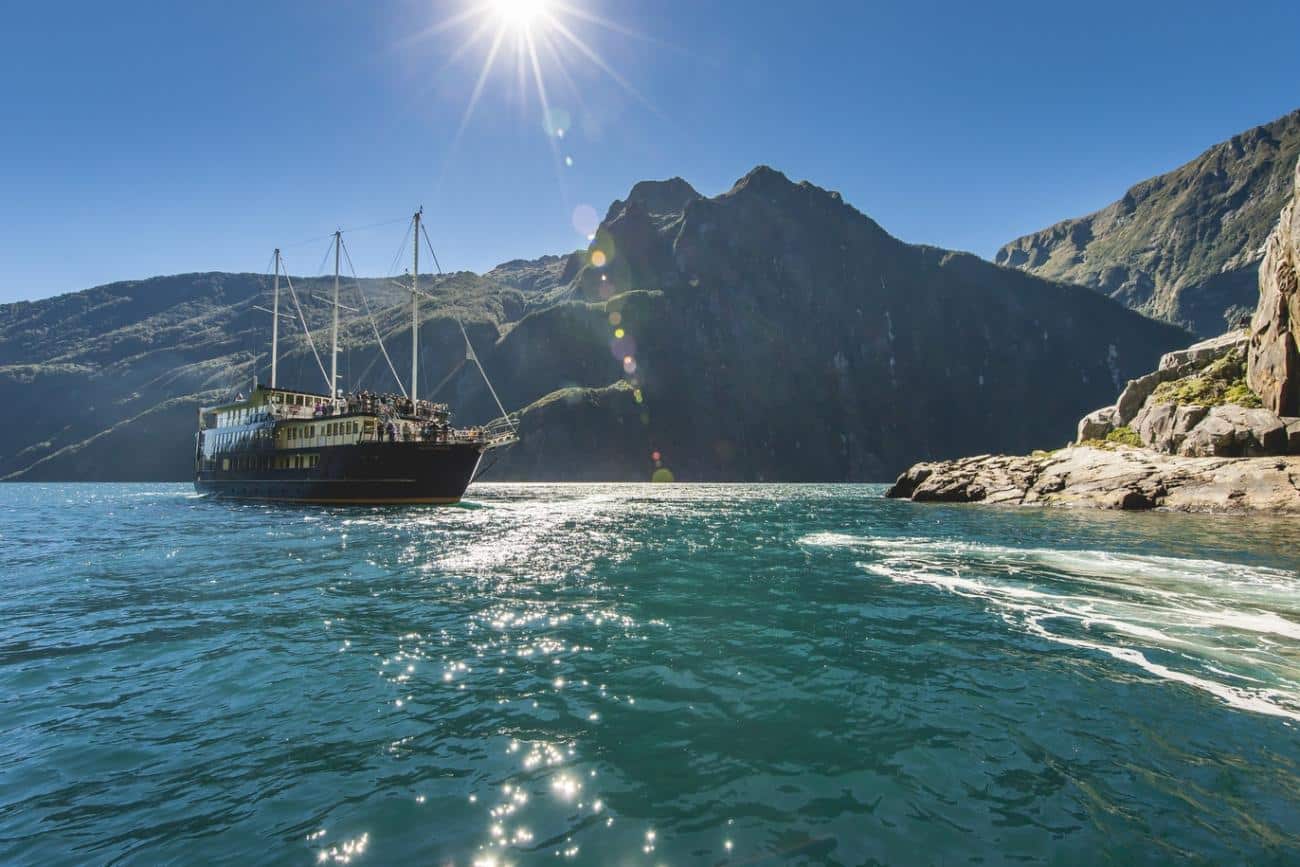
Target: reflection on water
(641, 675)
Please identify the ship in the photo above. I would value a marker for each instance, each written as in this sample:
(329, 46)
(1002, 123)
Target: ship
(291, 445)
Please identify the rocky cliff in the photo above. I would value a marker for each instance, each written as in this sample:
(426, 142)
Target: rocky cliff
(1232, 399)
(1185, 246)
(771, 332)
(1275, 328)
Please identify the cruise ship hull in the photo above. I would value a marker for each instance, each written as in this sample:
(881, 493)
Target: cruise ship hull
(355, 474)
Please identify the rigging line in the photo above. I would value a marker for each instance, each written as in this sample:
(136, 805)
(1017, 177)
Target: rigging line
(483, 470)
(446, 379)
(352, 229)
(361, 377)
(323, 259)
(366, 303)
(329, 386)
(474, 356)
(429, 244)
(392, 266)
(342, 229)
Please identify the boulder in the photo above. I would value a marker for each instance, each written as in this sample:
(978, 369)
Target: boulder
(1135, 394)
(1293, 436)
(1213, 437)
(1259, 431)
(1097, 424)
(1207, 351)
(1235, 431)
(1164, 426)
(1273, 361)
(1154, 425)
(1186, 418)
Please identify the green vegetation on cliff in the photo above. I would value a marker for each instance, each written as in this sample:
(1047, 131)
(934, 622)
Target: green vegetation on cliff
(1221, 383)
(1184, 246)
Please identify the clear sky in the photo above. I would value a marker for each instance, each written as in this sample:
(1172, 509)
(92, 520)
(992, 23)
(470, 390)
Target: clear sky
(150, 138)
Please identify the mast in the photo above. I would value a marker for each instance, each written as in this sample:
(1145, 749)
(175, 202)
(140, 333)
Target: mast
(334, 328)
(275, 319)
(415, 312)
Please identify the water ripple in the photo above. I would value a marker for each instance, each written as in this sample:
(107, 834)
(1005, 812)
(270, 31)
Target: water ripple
(642, 675)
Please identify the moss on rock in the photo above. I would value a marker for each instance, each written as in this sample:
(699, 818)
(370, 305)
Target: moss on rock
(1221, 383)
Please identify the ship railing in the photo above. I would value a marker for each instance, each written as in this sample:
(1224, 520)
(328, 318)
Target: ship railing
(501, 431)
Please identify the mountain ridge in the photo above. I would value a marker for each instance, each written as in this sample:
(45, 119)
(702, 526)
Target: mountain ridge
(1182, 246)
(770, 332)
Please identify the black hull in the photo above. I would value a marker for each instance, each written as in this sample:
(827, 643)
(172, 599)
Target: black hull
(361, 474)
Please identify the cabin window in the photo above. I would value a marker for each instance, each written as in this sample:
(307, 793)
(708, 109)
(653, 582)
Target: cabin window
(225, 464)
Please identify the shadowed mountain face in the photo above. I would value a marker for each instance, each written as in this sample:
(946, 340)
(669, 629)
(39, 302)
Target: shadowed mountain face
(1184, 246)
(772, 332)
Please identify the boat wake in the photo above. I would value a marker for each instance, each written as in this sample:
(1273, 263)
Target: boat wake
(1228, 629)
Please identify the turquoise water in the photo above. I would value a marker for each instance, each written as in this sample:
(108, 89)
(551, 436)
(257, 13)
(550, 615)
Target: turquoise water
(607, 674)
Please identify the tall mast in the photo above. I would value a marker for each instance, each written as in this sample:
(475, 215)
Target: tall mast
(415, 312)
(334, 329)
(275, 319)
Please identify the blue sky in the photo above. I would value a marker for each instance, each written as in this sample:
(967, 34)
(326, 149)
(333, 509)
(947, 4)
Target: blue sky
(152, 138)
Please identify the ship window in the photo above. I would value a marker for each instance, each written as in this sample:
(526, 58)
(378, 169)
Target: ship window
(225, 463)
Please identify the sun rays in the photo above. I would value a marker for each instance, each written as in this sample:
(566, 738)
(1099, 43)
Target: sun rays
(538, 44)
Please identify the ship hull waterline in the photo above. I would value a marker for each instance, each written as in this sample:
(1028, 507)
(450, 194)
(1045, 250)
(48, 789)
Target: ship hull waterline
(369, 474)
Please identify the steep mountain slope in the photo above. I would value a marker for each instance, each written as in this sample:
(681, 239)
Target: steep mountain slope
(1184, 246)
(771, 332)
(774, 332)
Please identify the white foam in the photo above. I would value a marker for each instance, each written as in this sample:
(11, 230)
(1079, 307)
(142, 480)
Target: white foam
(1235, 626)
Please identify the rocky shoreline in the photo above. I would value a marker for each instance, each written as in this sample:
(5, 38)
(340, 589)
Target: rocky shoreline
(1109, 477)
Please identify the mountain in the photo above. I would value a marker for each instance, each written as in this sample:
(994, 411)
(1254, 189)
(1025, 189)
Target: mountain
(772, 332)
(1185, 246)
(107, 382)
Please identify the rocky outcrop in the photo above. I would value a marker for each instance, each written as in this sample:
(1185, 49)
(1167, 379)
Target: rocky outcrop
(1208, 444)
(1206, 352)
(1165, 426)
(1138, 392)
(1184, 246)
(1274, 360)
(1098, 424)
(1110, 478)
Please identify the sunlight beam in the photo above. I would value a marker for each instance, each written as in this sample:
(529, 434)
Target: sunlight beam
(595, 58)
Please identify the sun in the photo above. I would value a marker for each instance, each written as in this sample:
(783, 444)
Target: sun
(519, 13)
(543, 41)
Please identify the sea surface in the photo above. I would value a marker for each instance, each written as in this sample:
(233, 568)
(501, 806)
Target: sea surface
(625, 674)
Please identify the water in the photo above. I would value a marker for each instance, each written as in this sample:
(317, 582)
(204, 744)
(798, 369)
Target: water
(642, 675)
